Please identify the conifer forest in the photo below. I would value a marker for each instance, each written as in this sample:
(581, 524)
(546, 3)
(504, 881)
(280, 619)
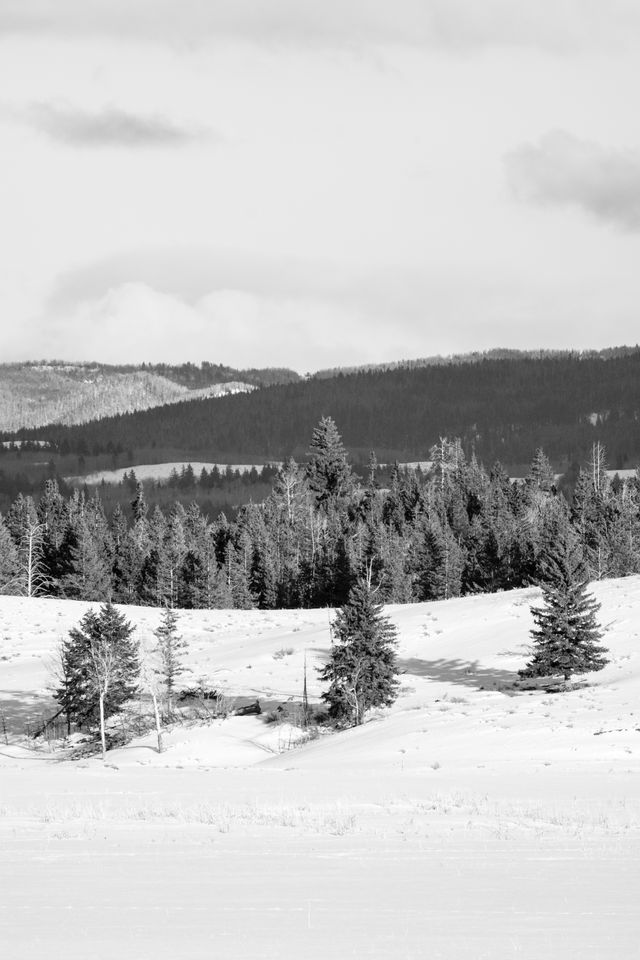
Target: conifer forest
(459, 528)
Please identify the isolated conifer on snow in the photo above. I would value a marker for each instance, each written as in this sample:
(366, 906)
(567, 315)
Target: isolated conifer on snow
(565, 638)
(362, 668)
(171, 650)
(99, 665)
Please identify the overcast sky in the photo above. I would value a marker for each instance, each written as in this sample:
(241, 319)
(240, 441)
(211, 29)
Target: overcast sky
(317, 182)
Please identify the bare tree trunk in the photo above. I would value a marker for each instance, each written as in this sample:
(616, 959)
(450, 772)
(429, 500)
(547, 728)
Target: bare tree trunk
(103, 738)
(156, 714)
(30, 567)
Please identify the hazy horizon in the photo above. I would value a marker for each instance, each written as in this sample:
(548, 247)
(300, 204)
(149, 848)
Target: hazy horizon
(393, 361)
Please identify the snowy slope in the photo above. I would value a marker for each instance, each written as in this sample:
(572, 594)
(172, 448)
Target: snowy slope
(458, 658)
(467, 821)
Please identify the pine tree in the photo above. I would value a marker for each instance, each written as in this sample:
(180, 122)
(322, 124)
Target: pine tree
(566, 632)
(53, 515)
(440, 563)
(237, 576)
(541, 473)
(89, 563)
(362, 668)
(99, 667)
(9, 561)
(328, 471)
(171, 651)
(138, 504)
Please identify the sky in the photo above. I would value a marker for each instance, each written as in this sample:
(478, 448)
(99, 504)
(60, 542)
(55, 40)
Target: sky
(314, 184)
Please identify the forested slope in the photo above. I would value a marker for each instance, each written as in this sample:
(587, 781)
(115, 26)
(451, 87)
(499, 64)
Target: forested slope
(500, 408)
(35, 394)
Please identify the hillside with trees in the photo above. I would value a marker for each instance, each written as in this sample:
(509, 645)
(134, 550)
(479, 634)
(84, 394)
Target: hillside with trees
(35, 394)
(499, 408)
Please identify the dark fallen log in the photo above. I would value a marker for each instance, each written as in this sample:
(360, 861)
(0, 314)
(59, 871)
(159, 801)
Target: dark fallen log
(554, 684)
(251, 709)
(198, 693)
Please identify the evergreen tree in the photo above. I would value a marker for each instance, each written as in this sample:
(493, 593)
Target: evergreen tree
(89, 565)
(9, 561)
(362, 669)
(99, 666)
(138, 504)
(440, 563)
(328, 472)
(396, 583)
(566, 632)
(53, 516)
(393, 508)
(171, 652)
(237, 576)
(120, 572)
(541, 473)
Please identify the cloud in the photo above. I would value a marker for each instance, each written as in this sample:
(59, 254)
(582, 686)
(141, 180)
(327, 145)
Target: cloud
(109, 127)
(449, 23)
(190, 272)
(562, 170)
(134, 322)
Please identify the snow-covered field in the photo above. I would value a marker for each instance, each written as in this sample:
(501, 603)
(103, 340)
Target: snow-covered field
(469, 821)
(161, 471)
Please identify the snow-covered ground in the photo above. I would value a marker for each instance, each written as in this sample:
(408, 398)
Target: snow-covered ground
(468, 821)
(161, 471)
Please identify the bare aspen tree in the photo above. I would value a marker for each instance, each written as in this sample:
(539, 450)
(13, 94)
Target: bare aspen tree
(103, 669)
(598, 467)
(151, 683)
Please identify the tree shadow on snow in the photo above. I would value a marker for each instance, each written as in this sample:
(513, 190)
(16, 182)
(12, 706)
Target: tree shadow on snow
(464, 673)
(22, 712)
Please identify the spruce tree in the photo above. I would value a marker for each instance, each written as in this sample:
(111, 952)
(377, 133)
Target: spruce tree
(9, 561)
(328, 471)
(89, 564)
(99, 666)
(440, 563)
(362, 669)
(541, 472)
(565, 638)
(171, 651)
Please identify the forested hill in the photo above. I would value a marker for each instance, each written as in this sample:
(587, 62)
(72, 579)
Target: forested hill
(501, 408)
(34, 394)
(498, 353)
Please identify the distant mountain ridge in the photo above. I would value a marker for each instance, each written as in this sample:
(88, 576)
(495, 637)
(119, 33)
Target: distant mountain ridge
(476, 356)
(35, 394)
(501, 409)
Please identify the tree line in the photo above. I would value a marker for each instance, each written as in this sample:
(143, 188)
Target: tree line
(500, 407)
(455, 530)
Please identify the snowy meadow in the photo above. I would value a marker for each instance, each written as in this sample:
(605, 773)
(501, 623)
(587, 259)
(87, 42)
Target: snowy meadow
(469, 820)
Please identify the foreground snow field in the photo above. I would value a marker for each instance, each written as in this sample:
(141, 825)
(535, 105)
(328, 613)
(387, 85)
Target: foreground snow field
(469, 821)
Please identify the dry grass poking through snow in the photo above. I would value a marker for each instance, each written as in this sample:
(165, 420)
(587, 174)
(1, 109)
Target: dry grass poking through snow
(454, 815)
(334, 819)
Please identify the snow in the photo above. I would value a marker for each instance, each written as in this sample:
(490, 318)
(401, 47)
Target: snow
(162, 471)
(468, 821)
